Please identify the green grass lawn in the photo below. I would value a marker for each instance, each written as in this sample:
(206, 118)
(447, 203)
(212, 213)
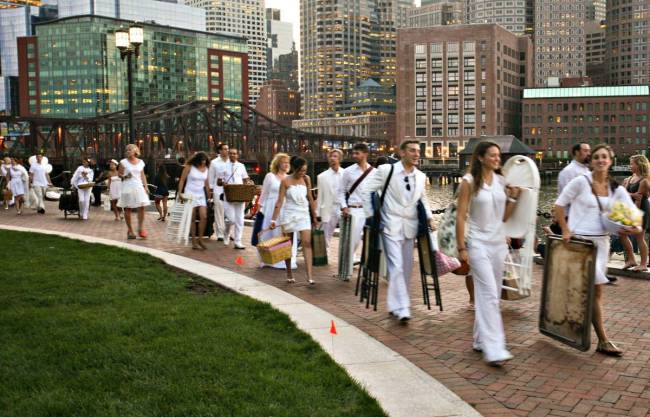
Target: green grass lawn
(90, 330)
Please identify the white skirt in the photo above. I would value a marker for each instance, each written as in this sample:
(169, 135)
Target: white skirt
(133, 196)
(17, 187)
(116, 190)
(198, 200)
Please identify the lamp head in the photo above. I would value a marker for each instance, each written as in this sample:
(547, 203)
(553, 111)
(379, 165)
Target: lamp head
(136, 35)
(122, 39)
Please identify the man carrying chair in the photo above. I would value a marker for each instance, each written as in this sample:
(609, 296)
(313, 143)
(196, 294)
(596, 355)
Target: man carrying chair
(352, 208)
(399, 221)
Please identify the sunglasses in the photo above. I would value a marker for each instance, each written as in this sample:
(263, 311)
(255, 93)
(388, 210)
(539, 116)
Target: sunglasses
(408, 185)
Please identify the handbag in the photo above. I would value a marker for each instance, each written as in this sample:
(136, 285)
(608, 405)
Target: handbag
(318, 247)
(447, 231)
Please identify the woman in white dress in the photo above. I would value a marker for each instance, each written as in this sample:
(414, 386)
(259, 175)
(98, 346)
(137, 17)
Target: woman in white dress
(585, 222)
(134, 195)
(115, 188)
(83, 175)
(490, 202)
(194, 184)
(296, 203)
(270, 190)
(16, 174)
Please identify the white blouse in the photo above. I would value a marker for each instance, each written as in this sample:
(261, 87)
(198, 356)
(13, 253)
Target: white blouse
(486, 210)
(584, 213)
(134, 169)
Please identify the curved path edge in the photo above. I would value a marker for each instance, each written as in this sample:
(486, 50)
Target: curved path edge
(401, 388)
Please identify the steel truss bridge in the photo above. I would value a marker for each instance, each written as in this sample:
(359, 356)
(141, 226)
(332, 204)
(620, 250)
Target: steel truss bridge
(169, 130)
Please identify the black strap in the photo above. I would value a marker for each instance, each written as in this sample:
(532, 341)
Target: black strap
(357, 182)
(383, 193)
(591, 184)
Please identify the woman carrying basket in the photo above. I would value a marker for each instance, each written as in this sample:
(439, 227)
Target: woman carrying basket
(270, 190)
(296, 204)
(194, 182)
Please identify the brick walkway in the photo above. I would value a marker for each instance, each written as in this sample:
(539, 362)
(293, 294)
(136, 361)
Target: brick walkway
(545, 377)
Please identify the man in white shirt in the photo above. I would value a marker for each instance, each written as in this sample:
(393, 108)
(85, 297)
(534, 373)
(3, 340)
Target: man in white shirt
(327, 204)
(399, 221)
(351, 196)
(579, 165)
(40, 179)
(234, 172)
(217, 165)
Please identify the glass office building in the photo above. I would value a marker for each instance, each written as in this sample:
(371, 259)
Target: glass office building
(72, 68)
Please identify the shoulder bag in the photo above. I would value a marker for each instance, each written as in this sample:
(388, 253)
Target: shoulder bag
(447, 230)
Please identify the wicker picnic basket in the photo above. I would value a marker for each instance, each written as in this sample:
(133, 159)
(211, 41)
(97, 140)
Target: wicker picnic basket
(239, 193)
(275, 249)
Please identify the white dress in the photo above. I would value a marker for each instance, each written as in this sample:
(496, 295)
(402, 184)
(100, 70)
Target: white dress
(195, 186)
(116, 187)
(17, 184)
(268, 198)
(295, 211)
(133, 193)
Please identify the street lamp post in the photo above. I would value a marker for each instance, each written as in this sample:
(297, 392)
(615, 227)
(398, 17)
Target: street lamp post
(128, 42)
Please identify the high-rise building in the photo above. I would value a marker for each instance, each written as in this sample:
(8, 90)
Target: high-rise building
(278, 102)
(559, 40)
(16, 19)
(436, 14)
(595, 51)
(280, 36)
(596, 9)
(343, 43)
(557, 118)
(245, 18)
(286, 69)
(458, 82)
(161, 12)
(628, 42)
(72, 68)
(517, 16)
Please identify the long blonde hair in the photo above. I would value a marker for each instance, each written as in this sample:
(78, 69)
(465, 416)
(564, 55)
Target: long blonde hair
(277, 159)
(644, 166)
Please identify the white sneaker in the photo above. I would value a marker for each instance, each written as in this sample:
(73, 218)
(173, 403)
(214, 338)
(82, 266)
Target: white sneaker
(226, 242)
(239, 246)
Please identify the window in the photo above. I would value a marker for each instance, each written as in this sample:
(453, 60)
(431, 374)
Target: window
(420, 131)
(452, 62)
(469, 76)
(452, 118)
(421, 119)
(436, 119)
(436, 77)
(453, 76)
(469, 90)
(420, 91)
(452, 131)
(436, 131)
(469, 131)
(420, 77)
(453, 104)
(469, 63)
(453, 90)
(436, 91)
(469, 104)
(435, 63)
(436, 48)
(421, 63)
(420, 105)
(436, 105)
(469, 118)
(420, 49)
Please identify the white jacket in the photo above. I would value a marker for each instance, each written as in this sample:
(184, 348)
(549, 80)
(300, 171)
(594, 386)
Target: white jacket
(399, 212)
(329, 183)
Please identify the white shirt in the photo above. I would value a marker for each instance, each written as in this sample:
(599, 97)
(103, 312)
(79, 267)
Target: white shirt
(569, 172)
(78, 177)
(216, 166)
(39, 176)
(232, 173)
(584, 212)
(348, 178)
(486, 210)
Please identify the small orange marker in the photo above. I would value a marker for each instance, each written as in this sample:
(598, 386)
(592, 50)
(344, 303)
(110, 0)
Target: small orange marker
(333, 328)
(239, 261)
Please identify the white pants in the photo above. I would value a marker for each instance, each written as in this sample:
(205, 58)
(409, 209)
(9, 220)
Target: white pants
(40, 196)
(486, 260)
(235, 214)
(399, 257)
(219, 224)
(84, 202)
(329, 226)
(356, 234)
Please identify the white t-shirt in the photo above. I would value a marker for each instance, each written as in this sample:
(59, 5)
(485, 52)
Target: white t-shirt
(134, 170)
(486, 210)
(569, 172)
(217, 168)
(584, 212)
(39, 176)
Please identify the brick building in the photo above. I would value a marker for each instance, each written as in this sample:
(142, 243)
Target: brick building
(458, 82)
(278, 102)
(554, 119)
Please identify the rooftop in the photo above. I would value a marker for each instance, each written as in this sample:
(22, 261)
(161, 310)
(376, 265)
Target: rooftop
(612, 91)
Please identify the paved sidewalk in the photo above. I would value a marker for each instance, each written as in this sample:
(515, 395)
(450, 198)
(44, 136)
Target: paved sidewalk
(545, 378)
